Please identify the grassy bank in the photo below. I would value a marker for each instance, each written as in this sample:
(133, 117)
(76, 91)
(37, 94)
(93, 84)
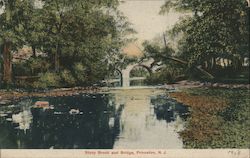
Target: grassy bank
(219, 118)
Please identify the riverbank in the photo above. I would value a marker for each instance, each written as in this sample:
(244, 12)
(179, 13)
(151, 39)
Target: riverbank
(219, 118)
(197, 84)
(7, 97)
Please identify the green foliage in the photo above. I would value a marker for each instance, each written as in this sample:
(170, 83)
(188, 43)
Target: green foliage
(230, 75)
(79, 72)
(168, 74)
(216, 29)
(139, 72)
(69, 33)
(13, 19)
(228, 125)
(47, 80)
(156, 78)
(156, 52)
(171, 71)
(236, 120)
(21, 68)
(83, 31)
(31, 67)
(67, 79)
(38, 65)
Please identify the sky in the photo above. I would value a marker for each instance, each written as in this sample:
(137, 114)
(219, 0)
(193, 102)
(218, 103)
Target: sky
(145, 19)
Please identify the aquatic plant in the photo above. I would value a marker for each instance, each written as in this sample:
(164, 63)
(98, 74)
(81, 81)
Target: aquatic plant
(218, 118)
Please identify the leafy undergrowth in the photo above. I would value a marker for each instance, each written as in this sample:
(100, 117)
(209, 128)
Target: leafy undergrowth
(219, 118)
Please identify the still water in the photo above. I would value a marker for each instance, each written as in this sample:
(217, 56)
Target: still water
(131, 119)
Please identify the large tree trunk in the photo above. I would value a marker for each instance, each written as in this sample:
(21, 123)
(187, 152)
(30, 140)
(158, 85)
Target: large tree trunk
(7, 68)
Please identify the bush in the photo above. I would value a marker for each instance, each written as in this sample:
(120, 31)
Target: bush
(21, 69)
(79, 73)
(47, 80)
(38, 65)
(31, 67)
(67, 79)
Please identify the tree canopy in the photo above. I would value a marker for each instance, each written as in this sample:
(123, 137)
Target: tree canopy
(84, 34)
(215, 29)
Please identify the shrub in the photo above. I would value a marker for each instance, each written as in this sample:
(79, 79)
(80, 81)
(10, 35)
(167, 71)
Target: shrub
(79, 73)
(31, 67)
(21, 69)
(38, 65)
(47, 80)
(67, 79)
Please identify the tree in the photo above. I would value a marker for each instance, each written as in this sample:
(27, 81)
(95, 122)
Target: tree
(217, 29)
(71, 33)
(90, 33)
(11, 30)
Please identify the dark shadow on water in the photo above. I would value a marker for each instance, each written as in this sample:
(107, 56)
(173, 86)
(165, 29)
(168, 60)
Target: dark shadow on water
(85, 121)
(168, 109)
(96, 125)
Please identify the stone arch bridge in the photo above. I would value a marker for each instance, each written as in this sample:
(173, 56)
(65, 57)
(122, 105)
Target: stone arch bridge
(125, 73)
(151, 68)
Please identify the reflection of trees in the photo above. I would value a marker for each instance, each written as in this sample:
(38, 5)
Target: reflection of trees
(11, 138)
(7, 136)
(168, 109)
(88, 131)
(23, 119)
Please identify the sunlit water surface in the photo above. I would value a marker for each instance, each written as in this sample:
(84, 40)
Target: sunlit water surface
(128, 119)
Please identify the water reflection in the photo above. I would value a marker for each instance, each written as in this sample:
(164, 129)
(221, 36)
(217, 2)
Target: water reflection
(141, 124)
(23, 119)
(59, 128)
(120, 119)
(167, 109)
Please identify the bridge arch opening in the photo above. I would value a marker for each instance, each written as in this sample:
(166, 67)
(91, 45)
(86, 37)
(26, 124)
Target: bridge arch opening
(115, 79)
(138, 75)
(118, 75)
